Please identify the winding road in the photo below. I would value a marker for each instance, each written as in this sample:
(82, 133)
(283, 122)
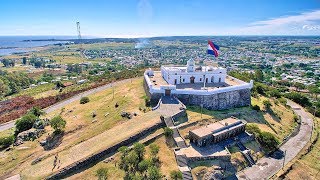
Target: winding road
(268, 166)
(60, 104)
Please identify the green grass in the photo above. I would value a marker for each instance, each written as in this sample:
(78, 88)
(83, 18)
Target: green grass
(7, 132)
(36, 90)
(234, 149)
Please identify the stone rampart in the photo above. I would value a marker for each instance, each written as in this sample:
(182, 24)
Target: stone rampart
(85, 162)
(220, 101)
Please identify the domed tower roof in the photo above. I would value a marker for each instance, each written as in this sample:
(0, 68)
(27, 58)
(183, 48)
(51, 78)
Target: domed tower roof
(190, 62)
(190, 65)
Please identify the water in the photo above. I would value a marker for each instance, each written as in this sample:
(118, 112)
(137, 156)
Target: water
(15, 44)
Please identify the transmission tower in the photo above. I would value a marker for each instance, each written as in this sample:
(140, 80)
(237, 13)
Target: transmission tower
(78, 30)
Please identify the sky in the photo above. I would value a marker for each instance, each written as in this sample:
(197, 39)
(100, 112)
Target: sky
(149, 18)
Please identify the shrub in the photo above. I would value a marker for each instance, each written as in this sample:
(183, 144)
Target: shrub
(274, 93)
(6, 141)
(176, 175)
(256, 107)
(84, 100)
(102, 173)
(268, 141)
(154, 149)
(25, 123)
(139, 149)
(299, 98)
(283, 101)
(267, 104)
(36, 111)
(154, 173)
(253, 129)
(58, 124)
(168, 132)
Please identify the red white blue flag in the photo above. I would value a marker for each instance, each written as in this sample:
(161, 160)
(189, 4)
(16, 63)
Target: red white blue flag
(213, 48)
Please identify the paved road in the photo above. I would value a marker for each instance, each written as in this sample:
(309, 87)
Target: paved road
(60, 104)
(267, 167)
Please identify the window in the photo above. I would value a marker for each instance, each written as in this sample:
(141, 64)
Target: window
(200, 79)
(219, 79)
(182, 80)
(212, 79)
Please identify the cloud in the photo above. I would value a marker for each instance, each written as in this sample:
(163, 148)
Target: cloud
(311, 27)
(304, 17)
(306, 23)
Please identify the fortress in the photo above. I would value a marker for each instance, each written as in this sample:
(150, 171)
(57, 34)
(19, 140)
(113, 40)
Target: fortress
(205, 86)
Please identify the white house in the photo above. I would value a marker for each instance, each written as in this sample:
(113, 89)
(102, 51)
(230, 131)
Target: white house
(191, 74)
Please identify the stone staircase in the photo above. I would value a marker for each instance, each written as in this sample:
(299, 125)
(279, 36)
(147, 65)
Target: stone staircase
(246, 153)
(178, 139)
(183, 165)
(169, 122)
(248, 157)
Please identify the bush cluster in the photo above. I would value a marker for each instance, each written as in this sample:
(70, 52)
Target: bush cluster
(267, 140)
(136, 166)
(84, 100)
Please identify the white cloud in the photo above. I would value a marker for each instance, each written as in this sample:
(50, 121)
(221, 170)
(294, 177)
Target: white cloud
(307, 23)
(303, 17)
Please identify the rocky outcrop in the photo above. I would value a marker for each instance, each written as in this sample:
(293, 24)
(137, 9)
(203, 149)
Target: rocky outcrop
(28, 135)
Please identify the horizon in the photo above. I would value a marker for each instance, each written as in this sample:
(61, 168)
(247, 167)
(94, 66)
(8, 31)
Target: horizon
(150, 18)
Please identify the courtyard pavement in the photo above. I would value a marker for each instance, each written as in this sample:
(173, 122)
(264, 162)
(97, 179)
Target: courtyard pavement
(268, 166)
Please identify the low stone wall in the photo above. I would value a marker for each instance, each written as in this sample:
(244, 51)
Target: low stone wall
(179, 114)
(204, 158)
(97, 157)
(220, 101)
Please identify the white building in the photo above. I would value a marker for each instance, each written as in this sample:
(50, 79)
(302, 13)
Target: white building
(190, 74)
(195, 85)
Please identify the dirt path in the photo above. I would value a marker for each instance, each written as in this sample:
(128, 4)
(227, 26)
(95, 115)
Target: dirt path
(268, 166)
(77, 97)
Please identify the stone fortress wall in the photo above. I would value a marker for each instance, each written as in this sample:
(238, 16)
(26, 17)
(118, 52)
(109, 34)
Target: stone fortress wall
(216, 99)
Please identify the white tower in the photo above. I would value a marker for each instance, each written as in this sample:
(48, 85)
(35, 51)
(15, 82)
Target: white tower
(190, 65)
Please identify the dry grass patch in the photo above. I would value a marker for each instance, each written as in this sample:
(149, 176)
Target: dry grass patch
(166, 156)
(85, 135)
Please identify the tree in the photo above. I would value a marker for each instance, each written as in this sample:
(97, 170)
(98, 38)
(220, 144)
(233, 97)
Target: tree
(36, 111)
(314, 90)
(154, 149)
(154, 173)
(253, 129)
(6, 62)
(4, 89)
(58, 124)
(84, 100)
(268, 141)
(256, 107)
(168, 132)
(25, 123)
(24, 60)
(139, 149)
(258, 75)
(267, 104)
(299, 86)
(6, 141)
(59, 85)
(299, 98)
(275, 93)
(176, 175)
(102, 173)
(143, 165)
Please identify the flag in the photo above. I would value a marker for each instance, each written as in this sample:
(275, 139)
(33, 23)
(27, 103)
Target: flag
(213, 48)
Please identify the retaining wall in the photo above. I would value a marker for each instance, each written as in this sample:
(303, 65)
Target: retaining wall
(97, 157)
(220, 101)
